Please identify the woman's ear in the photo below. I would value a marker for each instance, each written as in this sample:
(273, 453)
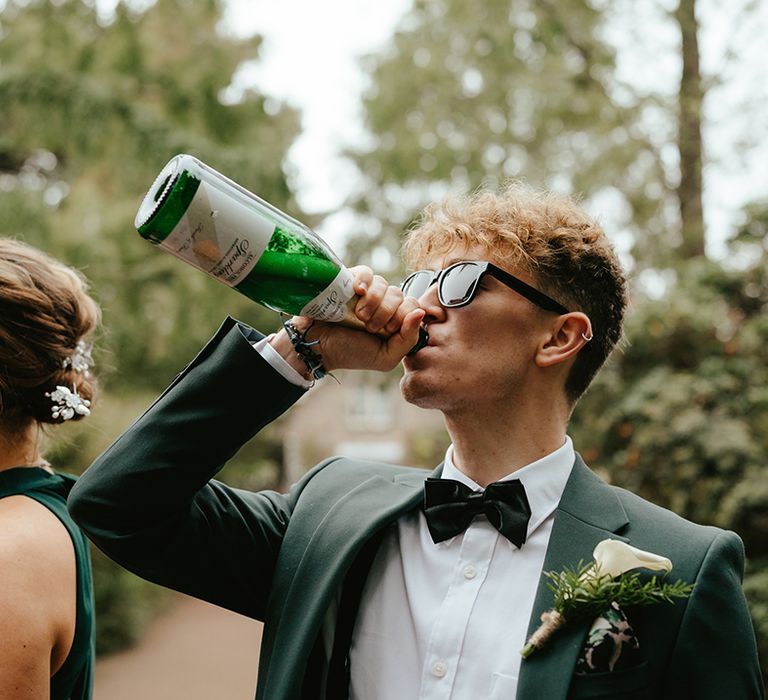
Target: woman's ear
(570, 332)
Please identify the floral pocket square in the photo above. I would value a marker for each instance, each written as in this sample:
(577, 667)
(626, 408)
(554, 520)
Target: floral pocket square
(611, 644)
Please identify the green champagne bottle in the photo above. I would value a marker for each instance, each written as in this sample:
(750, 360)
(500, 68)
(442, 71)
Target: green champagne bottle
(219, 227)
(204, 218)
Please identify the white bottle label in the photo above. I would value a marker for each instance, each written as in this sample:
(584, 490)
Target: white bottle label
(219, 235)
(330, 304)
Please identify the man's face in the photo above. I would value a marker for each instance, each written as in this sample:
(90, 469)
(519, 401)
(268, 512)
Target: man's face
(479, 353)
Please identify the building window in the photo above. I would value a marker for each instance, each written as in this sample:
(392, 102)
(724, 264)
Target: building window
(369, 407)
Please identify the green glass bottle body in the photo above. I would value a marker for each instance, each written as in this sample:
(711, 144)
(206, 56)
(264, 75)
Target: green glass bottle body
(211, 222)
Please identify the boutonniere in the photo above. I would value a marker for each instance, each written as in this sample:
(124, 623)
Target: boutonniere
(590, 589)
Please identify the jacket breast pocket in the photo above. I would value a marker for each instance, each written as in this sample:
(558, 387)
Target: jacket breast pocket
(630, 684)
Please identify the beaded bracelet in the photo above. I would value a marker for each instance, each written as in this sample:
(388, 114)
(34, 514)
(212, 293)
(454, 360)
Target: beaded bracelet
(303, 347)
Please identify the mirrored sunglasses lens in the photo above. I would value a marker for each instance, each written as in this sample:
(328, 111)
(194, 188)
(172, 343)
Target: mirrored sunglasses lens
(458, 283)
(417, 284)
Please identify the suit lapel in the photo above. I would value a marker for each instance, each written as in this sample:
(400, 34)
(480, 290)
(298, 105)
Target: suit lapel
(320, 565)
(589, 511)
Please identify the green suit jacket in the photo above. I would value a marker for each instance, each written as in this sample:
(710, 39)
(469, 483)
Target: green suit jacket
(150, 502)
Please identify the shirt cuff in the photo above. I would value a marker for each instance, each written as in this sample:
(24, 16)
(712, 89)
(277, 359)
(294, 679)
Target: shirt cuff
(278, 363)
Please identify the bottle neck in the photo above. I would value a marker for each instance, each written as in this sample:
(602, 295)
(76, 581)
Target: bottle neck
(170, 205)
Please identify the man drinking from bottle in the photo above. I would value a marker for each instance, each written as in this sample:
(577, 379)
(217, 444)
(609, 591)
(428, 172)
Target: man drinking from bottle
(381, 582)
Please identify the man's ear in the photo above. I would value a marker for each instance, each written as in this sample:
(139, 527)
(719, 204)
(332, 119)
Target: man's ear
(570, 332)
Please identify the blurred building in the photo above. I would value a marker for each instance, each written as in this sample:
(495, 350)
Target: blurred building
(363, 416)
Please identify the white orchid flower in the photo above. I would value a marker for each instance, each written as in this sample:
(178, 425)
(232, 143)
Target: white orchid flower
(613, 558)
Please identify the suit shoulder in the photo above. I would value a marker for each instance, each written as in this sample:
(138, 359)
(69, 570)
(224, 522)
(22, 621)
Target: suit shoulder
(650, 522)
(353, 471)
(338, 475)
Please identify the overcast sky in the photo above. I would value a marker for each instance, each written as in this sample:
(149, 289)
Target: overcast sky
(309, 58)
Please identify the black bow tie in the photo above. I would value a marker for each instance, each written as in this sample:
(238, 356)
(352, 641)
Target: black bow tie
(450, 506)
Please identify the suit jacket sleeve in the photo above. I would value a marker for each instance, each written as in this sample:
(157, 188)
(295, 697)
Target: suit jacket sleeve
(715, 653)
(149, 501)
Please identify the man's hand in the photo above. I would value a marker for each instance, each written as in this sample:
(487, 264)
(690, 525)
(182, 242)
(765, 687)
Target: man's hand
(381, 307)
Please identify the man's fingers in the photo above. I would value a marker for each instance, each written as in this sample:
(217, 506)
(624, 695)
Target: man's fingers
(380, 306)
(387, 308)
(371, 299)
(408, 304)
(408, 335)
(363, 276)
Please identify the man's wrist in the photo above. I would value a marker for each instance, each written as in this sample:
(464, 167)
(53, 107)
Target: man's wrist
(282, 345)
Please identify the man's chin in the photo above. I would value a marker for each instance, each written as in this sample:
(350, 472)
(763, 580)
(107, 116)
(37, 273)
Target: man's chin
(418, 392)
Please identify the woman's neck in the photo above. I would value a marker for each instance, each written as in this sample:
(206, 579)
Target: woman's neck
(21, 448)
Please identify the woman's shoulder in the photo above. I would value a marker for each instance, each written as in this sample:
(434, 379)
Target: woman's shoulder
(37, 598)
(35, 547)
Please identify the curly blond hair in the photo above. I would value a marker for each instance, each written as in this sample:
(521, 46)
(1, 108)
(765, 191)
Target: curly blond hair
(45, 311)
(550, 237)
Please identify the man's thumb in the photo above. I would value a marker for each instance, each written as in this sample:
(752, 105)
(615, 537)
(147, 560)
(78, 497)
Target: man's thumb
(406, 338)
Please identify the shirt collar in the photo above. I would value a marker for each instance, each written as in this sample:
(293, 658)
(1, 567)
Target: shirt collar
(544, 480)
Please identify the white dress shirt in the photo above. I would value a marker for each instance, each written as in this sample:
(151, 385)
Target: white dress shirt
(278, 363)
(447, 621)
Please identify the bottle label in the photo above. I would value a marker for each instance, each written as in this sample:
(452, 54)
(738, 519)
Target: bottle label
(219, 235)
(331, 303)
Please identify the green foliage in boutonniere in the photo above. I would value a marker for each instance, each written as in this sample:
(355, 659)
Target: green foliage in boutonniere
(579, 593)
(588, 590)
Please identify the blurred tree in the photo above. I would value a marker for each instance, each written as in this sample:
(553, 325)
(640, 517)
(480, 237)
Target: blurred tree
(689, 144)
(91, 110)
(471, 94)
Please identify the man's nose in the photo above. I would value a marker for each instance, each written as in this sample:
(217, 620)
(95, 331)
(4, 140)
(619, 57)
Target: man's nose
(431, 304)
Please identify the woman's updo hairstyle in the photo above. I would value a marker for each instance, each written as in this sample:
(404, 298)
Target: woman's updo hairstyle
(45, 312)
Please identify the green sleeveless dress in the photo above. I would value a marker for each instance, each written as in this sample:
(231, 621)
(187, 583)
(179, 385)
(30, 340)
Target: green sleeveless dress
(74, 680)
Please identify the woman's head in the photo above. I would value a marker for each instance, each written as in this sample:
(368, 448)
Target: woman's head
(46, 319)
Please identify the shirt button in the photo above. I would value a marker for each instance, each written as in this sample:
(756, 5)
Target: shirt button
(470, 572)
(438, 669)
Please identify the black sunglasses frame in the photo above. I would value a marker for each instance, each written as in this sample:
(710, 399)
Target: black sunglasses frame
(487, 268)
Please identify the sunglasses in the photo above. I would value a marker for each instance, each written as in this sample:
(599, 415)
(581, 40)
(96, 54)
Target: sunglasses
(457, 285)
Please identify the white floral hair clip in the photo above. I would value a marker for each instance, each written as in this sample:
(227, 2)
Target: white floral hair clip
(80, 360)
(67, 403)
